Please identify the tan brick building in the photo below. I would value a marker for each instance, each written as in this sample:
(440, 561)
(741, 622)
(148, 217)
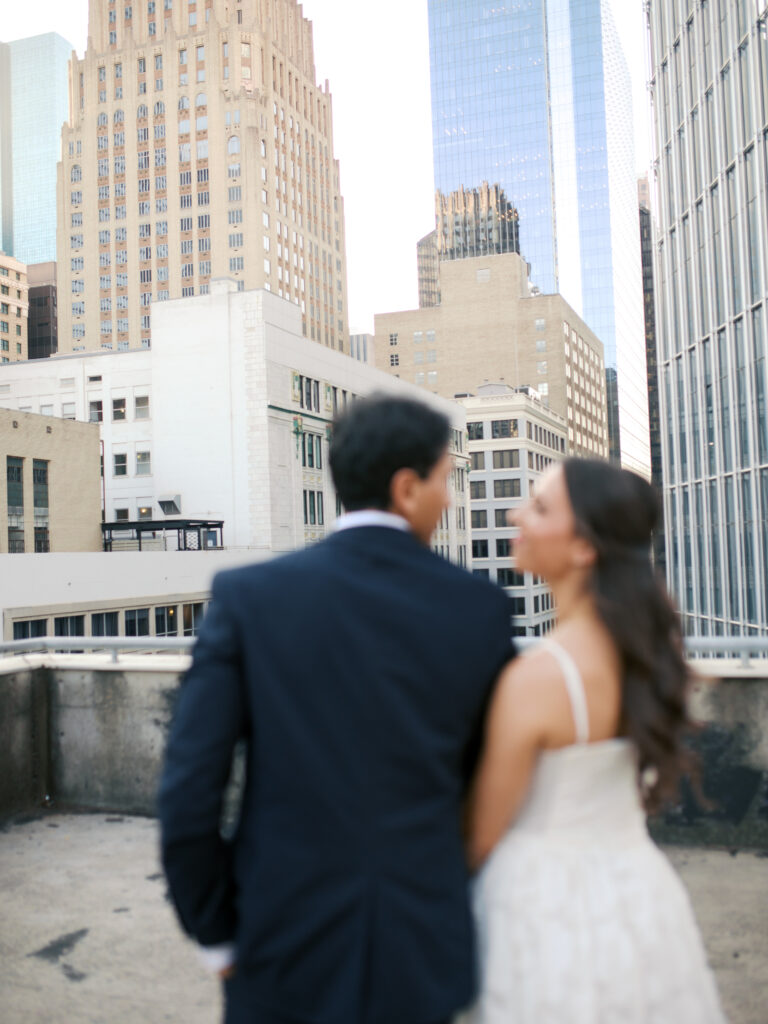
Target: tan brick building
(14, 309)
(491, 326)
(199, 146)
(50, 499)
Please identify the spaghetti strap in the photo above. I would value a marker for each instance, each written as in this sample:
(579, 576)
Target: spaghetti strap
(575, 688)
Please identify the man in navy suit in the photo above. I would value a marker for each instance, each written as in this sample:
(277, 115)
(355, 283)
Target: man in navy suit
(357, 672)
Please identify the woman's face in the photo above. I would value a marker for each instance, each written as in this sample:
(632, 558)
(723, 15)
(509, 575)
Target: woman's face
(547, 544)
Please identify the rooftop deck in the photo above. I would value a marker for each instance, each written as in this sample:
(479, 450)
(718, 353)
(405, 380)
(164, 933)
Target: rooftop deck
(86, 934)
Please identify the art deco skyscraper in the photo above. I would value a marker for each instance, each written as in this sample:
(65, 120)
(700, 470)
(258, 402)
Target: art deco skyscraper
(198, 146)
(710, 98)
(536, 98)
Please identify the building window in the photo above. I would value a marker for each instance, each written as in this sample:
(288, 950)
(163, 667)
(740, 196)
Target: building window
(503, 547)
(30, 630)
(479, 519)
(475, 431)
(143, 464)
(393, 339)
(510, 578)
(95, 414)
(477, 460)
(120, 464)
(118, 408)
(142, 407)
(192, 617)
(15, 497)
(502, 516)
(506, 488)
(394, 359)
(504, 428)
(508, 459)
(105, 623)
(69, 625)
(166, 619)
(137, 622)
(477, 490)
(479, 548)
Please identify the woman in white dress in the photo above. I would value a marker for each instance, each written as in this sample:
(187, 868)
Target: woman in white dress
(581, 919)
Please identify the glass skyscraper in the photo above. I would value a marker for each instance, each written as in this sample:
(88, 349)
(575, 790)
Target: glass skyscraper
(34, 104)
(710, 99)
(536, 98)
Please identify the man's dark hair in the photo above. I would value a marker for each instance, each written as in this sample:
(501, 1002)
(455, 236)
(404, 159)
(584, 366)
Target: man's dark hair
(377, 436)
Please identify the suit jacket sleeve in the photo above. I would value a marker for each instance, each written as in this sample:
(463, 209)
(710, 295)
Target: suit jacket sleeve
(209, 719)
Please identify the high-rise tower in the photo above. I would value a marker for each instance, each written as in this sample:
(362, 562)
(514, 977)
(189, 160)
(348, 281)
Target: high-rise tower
(710, 99)
(198, 146)
(536, 98)
(33, 107)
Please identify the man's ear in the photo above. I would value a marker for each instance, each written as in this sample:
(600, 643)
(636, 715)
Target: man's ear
(402, 491)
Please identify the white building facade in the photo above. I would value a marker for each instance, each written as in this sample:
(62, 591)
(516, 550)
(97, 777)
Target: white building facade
(227, 418)
(512, 438)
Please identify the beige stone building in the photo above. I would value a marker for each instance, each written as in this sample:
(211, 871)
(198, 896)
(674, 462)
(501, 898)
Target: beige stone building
(491, 326)
(198, 146)
(14, 309)
(51, 500)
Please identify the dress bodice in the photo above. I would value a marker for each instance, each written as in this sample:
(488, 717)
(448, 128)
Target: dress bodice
(585, 792)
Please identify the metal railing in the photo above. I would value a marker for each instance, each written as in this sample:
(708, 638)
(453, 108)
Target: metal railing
(114, 645)
(741, 647)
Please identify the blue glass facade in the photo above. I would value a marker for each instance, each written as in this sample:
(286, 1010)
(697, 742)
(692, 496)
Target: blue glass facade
(535, 96)
(489, 113)
(30, 144)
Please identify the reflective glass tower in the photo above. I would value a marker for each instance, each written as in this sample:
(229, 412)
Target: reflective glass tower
(34, 104)
(710, 102)
(536, 98)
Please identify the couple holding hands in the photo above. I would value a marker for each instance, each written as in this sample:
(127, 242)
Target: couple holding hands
(434, 829)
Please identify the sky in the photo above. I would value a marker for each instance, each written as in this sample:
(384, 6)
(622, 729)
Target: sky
(376, 59)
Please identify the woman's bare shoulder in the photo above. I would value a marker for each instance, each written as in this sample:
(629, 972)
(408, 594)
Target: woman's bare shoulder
(530, 691)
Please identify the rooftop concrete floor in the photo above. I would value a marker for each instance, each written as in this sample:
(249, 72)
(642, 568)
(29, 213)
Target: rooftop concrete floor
(86, 934)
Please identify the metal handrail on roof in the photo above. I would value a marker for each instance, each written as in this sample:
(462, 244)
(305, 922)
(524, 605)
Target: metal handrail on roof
(742, 647)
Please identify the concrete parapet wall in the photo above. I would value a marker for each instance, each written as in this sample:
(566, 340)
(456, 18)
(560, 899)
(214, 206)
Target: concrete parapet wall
(24, 763)
(108, 735)
(83, 732)
(732, 750)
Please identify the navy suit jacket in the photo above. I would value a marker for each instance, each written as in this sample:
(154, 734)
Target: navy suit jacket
(357, 671)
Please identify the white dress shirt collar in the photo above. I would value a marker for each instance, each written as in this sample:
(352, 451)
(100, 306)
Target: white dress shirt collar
(371, 517)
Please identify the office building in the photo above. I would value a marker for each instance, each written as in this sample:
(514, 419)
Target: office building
(199, 146)
(512, 438)
(490, 321)
(43, 326)
(649, 298)
(536, 99)
(470, 222)
(14, 310)
(710, 104)
(52, 495)
(234, 434)
(428, 269)
(361, 347)
(34, 104)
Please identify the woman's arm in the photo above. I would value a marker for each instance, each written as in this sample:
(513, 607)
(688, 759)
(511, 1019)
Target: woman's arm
(513, 739)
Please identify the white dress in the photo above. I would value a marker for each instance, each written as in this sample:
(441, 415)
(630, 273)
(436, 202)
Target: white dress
(580, 918)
